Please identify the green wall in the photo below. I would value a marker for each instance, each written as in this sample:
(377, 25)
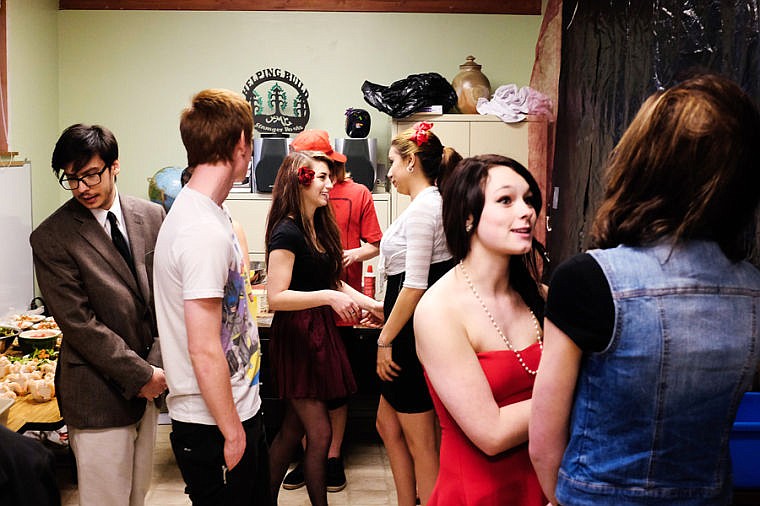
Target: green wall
(134, 71)
(32, 38)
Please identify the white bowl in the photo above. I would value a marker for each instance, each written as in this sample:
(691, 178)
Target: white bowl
(40, 333)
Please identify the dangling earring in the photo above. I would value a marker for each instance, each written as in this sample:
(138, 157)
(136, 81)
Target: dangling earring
(468, 228)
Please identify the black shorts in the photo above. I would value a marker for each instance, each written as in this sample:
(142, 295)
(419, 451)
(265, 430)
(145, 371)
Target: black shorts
(333, 404)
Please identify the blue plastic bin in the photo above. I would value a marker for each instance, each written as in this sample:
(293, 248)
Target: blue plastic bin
(745, 442)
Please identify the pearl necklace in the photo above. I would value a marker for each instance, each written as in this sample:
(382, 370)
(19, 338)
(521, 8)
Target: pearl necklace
(504, 338)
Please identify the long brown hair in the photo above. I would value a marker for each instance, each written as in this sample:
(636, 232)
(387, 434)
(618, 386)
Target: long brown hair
(464, 196)
(437, 160)
(686, 168)
(287, 202)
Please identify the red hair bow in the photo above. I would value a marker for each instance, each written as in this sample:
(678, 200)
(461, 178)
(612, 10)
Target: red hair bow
(421, 132)
(305, 175)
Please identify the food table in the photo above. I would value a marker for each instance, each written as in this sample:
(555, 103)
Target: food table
(31, 410)
(27, 414)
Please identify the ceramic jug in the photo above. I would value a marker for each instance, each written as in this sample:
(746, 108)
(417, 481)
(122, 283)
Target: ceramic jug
(470, 84)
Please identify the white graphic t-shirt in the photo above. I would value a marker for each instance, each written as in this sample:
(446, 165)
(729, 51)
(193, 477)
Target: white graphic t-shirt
(198, 256)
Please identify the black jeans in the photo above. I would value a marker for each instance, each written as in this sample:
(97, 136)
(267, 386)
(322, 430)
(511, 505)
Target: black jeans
(199, 450)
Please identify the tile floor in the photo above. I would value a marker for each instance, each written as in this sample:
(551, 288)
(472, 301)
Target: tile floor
(367, 471)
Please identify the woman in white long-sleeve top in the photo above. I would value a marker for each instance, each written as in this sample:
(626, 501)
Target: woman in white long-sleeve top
(414, 255)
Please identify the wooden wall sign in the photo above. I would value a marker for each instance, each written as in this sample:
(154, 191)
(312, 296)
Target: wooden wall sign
(279, 101)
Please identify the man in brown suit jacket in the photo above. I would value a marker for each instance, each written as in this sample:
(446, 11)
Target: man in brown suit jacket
(94, 264)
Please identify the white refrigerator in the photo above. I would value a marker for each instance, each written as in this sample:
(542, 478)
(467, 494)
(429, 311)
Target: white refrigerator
(16, 268)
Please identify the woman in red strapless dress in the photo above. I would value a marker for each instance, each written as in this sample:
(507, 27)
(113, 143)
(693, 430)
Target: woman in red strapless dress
(469, 476)
(479, 335)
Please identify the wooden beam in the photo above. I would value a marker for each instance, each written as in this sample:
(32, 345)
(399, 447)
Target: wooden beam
(3, 77)
(439, 6)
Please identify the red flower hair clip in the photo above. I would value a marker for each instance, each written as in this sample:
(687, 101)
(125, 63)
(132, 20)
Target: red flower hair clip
(421, 132)
(305, 175)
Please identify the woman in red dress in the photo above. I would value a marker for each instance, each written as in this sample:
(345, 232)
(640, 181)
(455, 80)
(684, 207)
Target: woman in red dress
(479, 335)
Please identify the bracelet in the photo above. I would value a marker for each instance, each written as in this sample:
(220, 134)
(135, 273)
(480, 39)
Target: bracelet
(381, 344)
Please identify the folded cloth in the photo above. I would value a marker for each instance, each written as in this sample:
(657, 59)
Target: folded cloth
(512, 104)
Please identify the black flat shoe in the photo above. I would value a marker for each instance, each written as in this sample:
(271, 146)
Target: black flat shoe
(294, 479)
(336, 477)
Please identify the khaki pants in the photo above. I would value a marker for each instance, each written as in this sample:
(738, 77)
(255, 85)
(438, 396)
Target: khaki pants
(114, 465)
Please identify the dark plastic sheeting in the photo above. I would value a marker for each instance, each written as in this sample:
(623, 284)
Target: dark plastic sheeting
(615, 54)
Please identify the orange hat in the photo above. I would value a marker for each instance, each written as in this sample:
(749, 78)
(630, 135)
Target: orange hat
(316, 140)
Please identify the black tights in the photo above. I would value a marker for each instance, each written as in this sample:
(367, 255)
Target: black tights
(308, 416)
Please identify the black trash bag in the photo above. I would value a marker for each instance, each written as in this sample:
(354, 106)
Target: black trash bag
(409, 95)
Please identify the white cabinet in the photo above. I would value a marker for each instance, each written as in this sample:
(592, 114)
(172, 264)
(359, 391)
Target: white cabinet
(475, 134)
(251, 211)
(383, 209)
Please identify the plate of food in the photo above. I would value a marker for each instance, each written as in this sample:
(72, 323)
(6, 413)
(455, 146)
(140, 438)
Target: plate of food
(47, 323)
(26, 321)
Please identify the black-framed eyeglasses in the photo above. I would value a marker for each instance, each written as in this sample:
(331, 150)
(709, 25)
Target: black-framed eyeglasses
(72, 182)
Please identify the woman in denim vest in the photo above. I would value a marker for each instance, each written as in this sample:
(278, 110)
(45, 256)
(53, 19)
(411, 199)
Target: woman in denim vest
(651, 339)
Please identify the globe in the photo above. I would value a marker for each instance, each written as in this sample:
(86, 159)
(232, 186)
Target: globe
(164, 186)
